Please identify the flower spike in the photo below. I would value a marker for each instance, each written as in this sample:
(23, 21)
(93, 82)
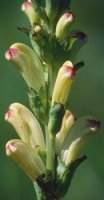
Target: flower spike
(51, 138)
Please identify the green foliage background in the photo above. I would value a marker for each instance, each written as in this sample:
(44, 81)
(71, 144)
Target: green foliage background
(86, 98)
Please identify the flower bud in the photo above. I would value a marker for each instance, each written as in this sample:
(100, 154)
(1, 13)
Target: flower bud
(26, 157)
(80, 131)
(56, 114)
(68, 121)
(28, 64)
(26, 125)
(63, 26)
(63, 84)
(31, 13)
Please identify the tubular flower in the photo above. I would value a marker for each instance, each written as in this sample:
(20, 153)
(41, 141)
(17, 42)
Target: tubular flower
(68, 121)
(26, 125)
(63, 25)
(28, 64)
(77, 135)
(26, 157)
(64, 80)
(28, 9)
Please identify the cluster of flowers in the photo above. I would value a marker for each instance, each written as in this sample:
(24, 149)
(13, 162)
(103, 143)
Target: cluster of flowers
(50, 137)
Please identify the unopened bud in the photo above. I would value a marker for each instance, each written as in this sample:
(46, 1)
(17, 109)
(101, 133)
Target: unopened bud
(56, 114)
(63, 26)
(63, 84)
(28, 9)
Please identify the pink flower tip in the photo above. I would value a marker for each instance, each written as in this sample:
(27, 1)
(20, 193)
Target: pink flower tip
(10, 148)
(8, 114)
(69, 15)
(10, 53)
(69, 71)
(26, 5)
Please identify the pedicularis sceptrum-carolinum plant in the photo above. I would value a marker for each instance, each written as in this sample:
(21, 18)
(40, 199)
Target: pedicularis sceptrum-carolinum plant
(50, 136)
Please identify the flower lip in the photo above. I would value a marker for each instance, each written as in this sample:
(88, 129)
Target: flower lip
(10, 53)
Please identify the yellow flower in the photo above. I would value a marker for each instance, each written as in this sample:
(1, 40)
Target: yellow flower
(26, 125)
(28, 64)
(63, 25)
(68, 121)
(77, 135)
(63, 83)
(26, 157)
(32, 14)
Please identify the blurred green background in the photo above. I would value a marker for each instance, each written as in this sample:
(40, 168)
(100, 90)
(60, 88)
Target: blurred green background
(87, 98)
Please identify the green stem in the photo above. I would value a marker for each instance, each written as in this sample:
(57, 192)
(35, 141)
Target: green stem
(39, 192)
(50, 158)
(41, 195)
(51, 79)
